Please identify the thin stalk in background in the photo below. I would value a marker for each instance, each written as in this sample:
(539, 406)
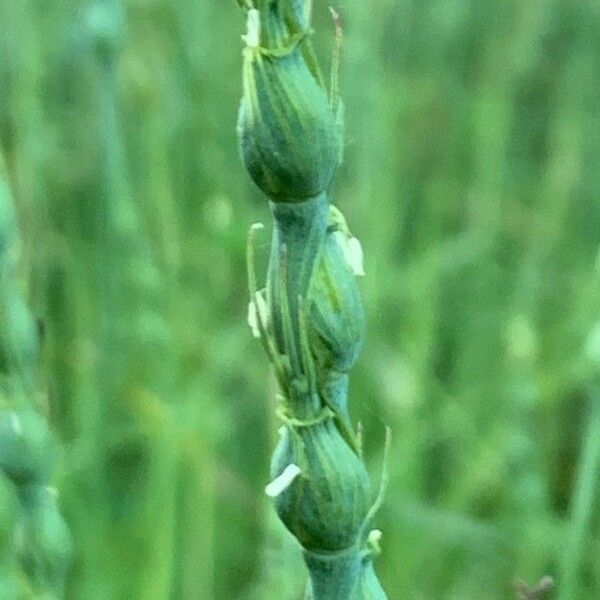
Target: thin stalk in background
(585, 494)
(133, 375)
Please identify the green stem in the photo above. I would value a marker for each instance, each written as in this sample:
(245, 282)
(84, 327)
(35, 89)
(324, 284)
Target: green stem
(297, 240)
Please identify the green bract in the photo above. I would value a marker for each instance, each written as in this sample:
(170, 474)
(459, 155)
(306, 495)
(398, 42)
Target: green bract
(337, 316)
(325, 507)
(289, 138)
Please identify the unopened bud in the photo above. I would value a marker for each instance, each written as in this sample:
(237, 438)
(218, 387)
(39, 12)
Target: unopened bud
(25, 447)
(327, 508)
(337, 315)
(290, 140)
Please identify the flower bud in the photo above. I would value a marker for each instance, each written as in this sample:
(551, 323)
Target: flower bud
(25, 447)
(337, 315)
(326, 505)
(289, 138)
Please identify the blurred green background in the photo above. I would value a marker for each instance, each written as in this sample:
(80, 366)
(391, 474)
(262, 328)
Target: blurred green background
(471, 177)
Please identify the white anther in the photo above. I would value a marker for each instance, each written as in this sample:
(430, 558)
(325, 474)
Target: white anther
(355, 256)
(375, 536)
(258, 313)
(353, 253)
(283, 481)
(252, 37)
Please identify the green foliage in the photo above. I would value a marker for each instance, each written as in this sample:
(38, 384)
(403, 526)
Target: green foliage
(470, 178)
